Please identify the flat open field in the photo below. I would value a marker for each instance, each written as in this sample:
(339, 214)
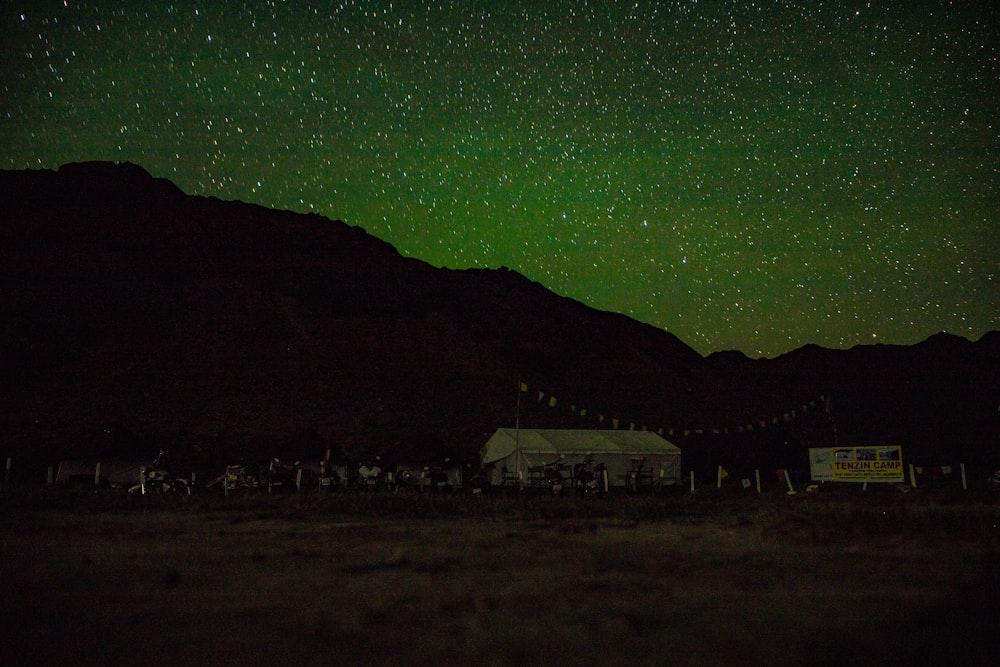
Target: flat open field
(782, 580)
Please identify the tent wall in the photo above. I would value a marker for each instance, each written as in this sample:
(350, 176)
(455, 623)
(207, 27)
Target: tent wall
(116, 471)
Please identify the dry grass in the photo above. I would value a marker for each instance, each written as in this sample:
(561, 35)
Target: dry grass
(370, 580)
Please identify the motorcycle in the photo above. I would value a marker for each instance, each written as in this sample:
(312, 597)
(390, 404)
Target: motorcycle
(235, 478)
(283, 476)
(552, 478)
(331, 477)
(479, 483)
(156, 479)
(370, 478)
(591, 478)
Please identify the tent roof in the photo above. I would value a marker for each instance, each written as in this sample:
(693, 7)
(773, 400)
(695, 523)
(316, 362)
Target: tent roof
(578, 442)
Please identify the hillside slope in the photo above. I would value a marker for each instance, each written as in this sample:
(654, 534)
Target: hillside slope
(138, 316)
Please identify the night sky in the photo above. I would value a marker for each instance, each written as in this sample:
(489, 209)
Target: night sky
(746, 175)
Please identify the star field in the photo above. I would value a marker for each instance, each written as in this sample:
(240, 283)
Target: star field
(752, 176)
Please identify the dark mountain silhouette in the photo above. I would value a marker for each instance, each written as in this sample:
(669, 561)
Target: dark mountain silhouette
(137, 316)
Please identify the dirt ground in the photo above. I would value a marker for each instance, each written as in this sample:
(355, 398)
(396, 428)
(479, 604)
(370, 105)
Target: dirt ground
(776, 582)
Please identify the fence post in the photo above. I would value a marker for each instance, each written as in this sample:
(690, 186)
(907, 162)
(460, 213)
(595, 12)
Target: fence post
(965, 486)
(692, 481)
(788, 480)
(913, 477)
(97, 474)
(757, 475)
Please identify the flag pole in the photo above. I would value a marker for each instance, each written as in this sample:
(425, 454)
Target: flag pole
(517, 432)
(833, 419)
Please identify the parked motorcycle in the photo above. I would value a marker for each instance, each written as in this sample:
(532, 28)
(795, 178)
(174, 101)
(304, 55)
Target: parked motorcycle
(156, 479)
(235, 478)
(479, 483)
(370, 477)
(591, 478)
(552, 478)
(283, 476)
(331, 477)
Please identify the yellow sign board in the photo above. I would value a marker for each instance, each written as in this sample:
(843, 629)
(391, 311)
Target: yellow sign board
(867, 464)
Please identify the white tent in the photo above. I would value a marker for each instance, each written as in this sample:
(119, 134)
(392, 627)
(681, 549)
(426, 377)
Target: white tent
(632, 457)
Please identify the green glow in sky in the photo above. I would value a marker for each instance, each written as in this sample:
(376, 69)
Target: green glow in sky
(752, 176)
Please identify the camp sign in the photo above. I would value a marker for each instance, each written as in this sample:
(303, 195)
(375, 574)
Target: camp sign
(856, 464)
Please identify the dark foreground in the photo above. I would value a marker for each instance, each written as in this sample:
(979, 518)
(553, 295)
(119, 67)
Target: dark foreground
(780, 581)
